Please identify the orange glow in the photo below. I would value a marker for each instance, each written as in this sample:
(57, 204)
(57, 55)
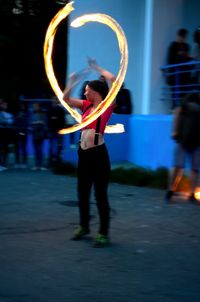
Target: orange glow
(197, 193)
(48, 48)
(118, 128)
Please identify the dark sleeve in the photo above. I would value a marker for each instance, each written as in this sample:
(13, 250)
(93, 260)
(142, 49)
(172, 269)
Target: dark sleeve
(171, 55)
(129, 102)
(191, 103)
(188, 48)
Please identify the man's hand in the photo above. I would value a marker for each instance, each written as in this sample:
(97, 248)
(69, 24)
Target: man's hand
(92, 63)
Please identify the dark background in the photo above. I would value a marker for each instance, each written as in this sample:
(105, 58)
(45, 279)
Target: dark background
(23, 26)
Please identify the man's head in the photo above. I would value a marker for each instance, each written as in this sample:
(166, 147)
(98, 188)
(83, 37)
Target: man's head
(4, 105)
(96, 86)
(182, 34)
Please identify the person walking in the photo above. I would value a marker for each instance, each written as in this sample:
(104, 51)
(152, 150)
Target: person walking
(186, 132)
(93, 157)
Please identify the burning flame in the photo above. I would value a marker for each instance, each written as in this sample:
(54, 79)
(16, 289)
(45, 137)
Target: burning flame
(118, 128)
(48, 48)
(197, 193)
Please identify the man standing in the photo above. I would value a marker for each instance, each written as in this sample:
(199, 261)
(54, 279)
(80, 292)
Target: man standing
(179, 77)
(187, 134)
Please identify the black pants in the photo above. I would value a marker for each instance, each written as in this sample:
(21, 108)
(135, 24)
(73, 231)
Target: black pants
(38, 149)
(94, 169)
(55, 148)
(21, 148)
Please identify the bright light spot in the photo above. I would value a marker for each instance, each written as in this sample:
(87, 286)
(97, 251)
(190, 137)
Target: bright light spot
(197, 193)
(76, 23)
(118, 128)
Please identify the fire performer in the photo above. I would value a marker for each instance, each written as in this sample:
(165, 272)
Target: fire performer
(93, 158)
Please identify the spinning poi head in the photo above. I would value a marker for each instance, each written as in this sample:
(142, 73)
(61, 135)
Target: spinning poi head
(48, 49)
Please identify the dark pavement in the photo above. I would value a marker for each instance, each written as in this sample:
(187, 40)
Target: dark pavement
(154, 253)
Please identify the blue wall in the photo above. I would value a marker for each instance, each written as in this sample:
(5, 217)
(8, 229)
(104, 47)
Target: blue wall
(146, 141)
(98, 41)
(151, 145)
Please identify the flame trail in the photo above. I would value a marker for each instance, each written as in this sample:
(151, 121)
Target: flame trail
(48, 48)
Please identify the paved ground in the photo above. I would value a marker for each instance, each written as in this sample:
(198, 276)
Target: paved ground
(153, 256)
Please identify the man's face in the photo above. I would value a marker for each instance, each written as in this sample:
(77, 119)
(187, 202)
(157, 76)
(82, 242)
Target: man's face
(4, 106)
(89, 93)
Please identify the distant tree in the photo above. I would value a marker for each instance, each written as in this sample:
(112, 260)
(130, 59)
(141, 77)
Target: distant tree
(23, 24)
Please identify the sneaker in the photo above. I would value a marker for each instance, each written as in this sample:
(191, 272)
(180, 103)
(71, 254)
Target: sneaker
(101, 240)
(2, 168)
(168, 195)
(23, 166)
(80, 233)
(35, 168)
(43, 169)
(17, 166)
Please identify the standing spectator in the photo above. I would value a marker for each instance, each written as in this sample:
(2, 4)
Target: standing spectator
(196, 50)
(21, 136)
(186, 132)
(6, 133)
(123, 103)
(178, 52)
(196, 57)
(70, 121)
(56, 122)
(39, 134)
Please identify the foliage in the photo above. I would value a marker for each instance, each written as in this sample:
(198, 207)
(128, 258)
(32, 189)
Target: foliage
(141, 177)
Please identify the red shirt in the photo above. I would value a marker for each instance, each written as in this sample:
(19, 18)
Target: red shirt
(104, 116)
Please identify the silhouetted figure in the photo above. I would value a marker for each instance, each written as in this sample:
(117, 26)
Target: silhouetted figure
(123, 103)
(39, 134)
(21, 123)
(186, 132)
(196, 57)
(6, 133)
(179, 52)
(56, 122)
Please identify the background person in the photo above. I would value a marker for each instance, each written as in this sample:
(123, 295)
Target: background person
(39, 134)
(196, 57)
(178, 52)
(187, 134)
(123, 103)
(6, 133)
(21, 123)
(56, 122)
